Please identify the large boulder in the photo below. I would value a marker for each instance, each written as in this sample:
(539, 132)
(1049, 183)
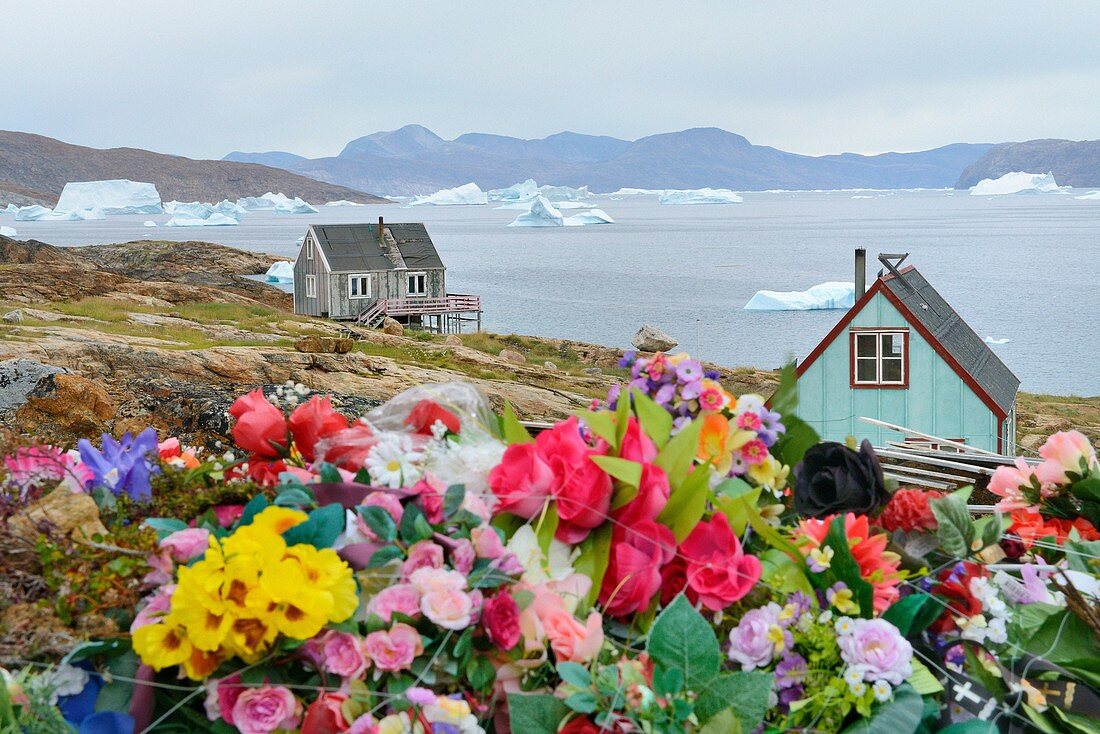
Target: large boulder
(18, 378)
(67, 405)
(392, 327)
(511, 355)
(651, 339)
(324, 345)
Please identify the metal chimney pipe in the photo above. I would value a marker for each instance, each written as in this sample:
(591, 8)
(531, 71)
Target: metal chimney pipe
(861, 272)
(381, 238)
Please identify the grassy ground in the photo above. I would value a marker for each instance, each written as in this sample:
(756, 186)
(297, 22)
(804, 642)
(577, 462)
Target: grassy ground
(1040, 415)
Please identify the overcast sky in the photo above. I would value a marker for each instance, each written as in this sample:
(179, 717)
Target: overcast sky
(203, 78)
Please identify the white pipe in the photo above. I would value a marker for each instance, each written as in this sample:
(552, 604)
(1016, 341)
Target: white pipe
(929, 436)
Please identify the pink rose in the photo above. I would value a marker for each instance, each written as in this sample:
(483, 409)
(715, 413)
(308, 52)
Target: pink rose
(633, 575)
(500, 618)
(325, 715)
(449, 608)
(1008, 483)
(394, 650)
(184, 545)
(522, 481)
(463, 556)
(426, 580)
(430, 499)
(1064, 452)
(423, 554)
(584, 498)
(365, 724)
(260, 428)
(400, 599)
(387, 502)
(653, 491)
(636, 445)
(159, 605)
(344, 654)
(718, 572)
(569, 639)
(487, 542)
(265, 709)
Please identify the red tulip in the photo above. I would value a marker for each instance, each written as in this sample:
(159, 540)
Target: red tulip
(425, 414)
(313, 420)
(261, 427)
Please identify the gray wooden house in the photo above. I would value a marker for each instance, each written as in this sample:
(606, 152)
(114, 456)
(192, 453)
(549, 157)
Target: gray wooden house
(366, 272)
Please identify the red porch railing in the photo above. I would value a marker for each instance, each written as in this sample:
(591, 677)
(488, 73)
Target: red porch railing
(452, 303)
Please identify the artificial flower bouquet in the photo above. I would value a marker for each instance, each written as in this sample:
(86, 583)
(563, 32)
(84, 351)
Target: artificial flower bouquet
(675, 559)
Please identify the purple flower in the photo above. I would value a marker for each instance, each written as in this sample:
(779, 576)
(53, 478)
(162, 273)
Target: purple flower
(711, 374)
(790, 671)
(678, 424)
(758, 638)
(665, 394)
(123, 466)
(420, 696)
(799, 604)
(629, 358)
(738, 466)
(787, 696)
(770, 427)
(691, 390)
(613, 395)
(877, 651)
(689, 371)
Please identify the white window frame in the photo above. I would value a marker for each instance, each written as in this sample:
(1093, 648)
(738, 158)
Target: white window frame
(309, 248)
(416, 274)
(361, 277)
(311, 286)
(878, 359)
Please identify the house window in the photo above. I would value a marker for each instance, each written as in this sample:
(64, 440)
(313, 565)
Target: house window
(309, 249)
(359, 286)
(418, 284)
(880, 358)
(311, 286)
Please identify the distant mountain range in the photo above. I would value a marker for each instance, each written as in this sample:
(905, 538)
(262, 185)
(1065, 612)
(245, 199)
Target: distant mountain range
(1073, 162)
(34, 169)
(414, 160)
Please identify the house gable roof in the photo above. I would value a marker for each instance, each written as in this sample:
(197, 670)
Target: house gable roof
(352, 247)
(942, 327)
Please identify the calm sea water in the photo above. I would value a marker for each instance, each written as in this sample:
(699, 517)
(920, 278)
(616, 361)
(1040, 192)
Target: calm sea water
(1026, 268)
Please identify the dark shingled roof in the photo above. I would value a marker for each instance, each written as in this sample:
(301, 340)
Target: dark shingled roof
(356, 247)
(945, 324)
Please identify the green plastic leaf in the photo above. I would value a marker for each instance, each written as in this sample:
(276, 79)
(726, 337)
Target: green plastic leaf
(512, 430)
(108, 648)
(974, 726)
(922, 680)
(321, 529)
(912, 614)
(453, 499)
(622, 419)
(844, 568)
(330, 474)
(744, 693)
(295, 497)
(412, 525)
(626, 471)
(784, 573)
(255, 506)
(735, 510)
(725, 722)
(899, 716)
(601, 423)
(687, 503)
(583, 702)
(117, 694)
(956, 529)
(795, 441)
(384, 555)
(785, 398)
(546, 526)
(379, 521)
(575, 674)
(656, 422)
(681, 638)
(536, 713)
(595, 554)
(164, 526)
(678, 455)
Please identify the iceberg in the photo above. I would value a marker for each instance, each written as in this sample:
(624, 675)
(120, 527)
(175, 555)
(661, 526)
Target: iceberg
(1090, 196)
(79, 215)
(1017, 182)
(117, 196)
(189, 209)
(252, 203)
(10, 209)
(343, 202)
(149, 223)
(187, 220)
(7, 232)
(33, 213)
(820, 296)
(281, 272)
(464, 195)
(520, 206)
(279, 203)
(525, 191)
(572, 205)
(229, 209)
(541, 214)
(700, 196)
(592, 216)
(996, 342)
(637, 192)
(564, 193)
(36, 213)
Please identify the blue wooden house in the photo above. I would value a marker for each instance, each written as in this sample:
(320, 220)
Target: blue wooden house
(902, 355)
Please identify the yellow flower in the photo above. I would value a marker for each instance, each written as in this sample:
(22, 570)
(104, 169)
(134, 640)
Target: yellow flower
(249, 638)
(770, 474)
(200, 665)
(277, 519)
(775, 636)
(257, 542)
(162, 645)
(324, 569)
(718, 440)
(286, 600)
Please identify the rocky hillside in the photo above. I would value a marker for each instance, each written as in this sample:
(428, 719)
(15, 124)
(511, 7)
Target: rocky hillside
(1073, 162)
(34, 169)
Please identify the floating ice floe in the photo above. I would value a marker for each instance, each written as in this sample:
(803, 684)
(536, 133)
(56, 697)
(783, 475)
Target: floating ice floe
(79, 215)
(116, 196)
(279, 203)
(281, 272)
(519, 206)
(187, 220)
(571, 205)
(592, 216)
(464, 195)
(1090, 196)
(343, 202)
(10, 209)
(821, 296)
(991, 340)
(525, 191)
(540, 214)
(37, 213)
(564, 193)
(637, 192)
(33, 213)
(700, 196)
(149, 223)
(230, 209)
(7, 232)
(1017, 182)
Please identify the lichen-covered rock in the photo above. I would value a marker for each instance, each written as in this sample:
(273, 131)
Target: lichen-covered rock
(511, 355)
(392, 327)
(67, 405)
(18, 378)
(651, 339)
(72, 514)
(324, 345)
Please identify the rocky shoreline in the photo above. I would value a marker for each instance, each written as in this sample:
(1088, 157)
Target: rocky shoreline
(118, 337)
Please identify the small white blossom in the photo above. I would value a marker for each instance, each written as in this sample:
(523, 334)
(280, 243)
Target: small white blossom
(883, 691)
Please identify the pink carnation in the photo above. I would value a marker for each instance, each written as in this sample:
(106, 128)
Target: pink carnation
(424, 554)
